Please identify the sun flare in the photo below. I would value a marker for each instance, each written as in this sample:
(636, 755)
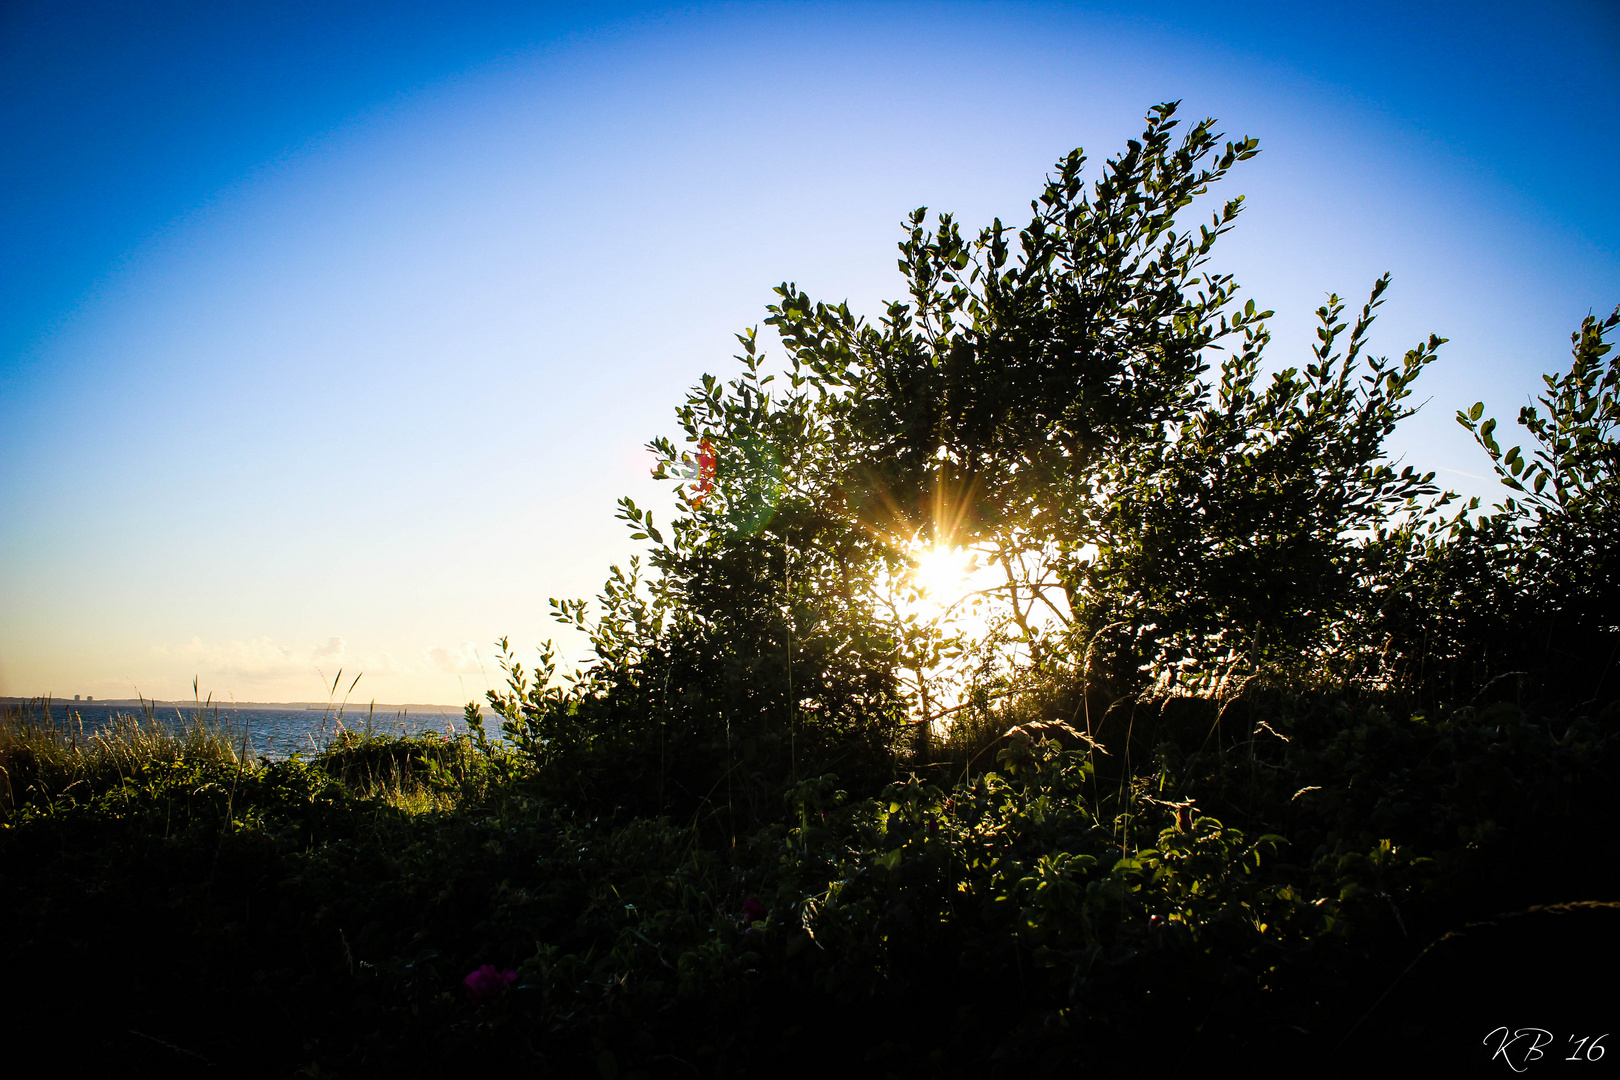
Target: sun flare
(950, 589)
(941, 573)
(944, 586)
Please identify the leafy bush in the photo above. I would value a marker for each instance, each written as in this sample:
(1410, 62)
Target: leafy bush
(404, 766)
(1519, 603)
(1046, 402)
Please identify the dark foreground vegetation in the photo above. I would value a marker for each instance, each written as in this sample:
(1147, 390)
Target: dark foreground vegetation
(1260, 752)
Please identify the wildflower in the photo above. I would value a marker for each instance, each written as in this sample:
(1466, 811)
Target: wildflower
(486, 982)
(753, 910)
(701, 472)
(706, 461)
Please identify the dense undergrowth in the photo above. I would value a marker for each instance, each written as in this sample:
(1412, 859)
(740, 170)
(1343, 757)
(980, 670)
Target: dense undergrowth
(1302, 768)
(1251, 897)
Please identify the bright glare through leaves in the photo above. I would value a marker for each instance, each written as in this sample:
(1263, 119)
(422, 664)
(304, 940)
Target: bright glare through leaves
(940, 570)
(950, 590)
(943, 583)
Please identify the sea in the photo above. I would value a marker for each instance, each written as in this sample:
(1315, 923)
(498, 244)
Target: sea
(272, 731)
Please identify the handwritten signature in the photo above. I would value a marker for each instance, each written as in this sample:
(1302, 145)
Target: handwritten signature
(1519, 1048)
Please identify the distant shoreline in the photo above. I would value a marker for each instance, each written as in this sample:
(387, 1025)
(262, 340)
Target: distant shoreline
(350, 707)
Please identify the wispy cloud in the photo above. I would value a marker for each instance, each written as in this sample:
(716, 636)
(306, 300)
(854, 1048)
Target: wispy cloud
(461, 660)
(264, 662)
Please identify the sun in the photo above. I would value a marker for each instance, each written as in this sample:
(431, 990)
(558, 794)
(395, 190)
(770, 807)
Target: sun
(943, 585)
(946, 589)
(941, 574)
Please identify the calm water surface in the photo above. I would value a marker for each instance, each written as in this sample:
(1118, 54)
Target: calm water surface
(274, 733)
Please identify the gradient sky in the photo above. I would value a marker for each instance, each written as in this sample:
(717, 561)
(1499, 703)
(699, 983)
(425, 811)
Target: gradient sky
(330, 333)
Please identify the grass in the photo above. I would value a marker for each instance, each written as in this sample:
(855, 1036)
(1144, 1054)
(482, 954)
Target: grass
(42, 759)
(414, 773)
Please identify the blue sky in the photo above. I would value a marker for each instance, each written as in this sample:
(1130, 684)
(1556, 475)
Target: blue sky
(329, 333)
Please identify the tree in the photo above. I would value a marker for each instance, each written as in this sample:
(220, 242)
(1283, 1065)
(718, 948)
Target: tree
(1043, 399)
(755, 652)
(1252, 532)
(1051, 407)
(1519, 602)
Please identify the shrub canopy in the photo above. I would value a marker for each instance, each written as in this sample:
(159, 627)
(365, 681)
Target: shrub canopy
(1081, 403)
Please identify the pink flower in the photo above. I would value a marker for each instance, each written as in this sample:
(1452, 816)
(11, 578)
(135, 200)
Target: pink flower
(753, 910)
(486, 982)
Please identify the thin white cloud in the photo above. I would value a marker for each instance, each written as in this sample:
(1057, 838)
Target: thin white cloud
(1471, 476)
(264, 662)
(461, 660)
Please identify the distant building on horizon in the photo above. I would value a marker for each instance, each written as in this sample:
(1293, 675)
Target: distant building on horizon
(75, 697)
